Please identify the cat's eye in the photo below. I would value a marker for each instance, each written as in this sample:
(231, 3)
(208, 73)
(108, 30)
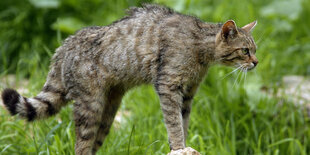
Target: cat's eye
(246, 51)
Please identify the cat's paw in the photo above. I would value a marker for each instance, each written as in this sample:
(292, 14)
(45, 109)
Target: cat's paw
(185, 151)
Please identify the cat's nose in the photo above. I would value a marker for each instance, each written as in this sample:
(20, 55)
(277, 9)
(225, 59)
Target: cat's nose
(255, 62)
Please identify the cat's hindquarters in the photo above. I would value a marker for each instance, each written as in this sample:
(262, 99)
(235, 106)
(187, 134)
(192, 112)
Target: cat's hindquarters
(47, 103)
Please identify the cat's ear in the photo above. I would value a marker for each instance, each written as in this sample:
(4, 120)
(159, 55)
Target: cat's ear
(249, 27)
(229, 29)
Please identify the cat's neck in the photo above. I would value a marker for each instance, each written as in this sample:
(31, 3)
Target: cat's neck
(206, 42)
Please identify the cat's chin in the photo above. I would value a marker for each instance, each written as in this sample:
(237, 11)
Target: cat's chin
(249, 68)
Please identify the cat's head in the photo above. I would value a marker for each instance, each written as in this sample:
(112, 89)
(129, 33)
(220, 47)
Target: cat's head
(235, 46)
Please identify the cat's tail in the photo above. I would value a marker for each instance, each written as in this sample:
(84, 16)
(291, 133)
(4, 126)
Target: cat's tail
(48, 102)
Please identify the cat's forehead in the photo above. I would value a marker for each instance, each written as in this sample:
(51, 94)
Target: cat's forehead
(245, 39)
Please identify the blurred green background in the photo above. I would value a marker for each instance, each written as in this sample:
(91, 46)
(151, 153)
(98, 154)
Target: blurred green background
(233, 115)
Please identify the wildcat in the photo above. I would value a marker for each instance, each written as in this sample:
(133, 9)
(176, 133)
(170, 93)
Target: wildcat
(152, 44)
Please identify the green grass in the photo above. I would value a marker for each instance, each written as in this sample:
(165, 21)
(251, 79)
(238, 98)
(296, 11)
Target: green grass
(224, 120)
(227, 118)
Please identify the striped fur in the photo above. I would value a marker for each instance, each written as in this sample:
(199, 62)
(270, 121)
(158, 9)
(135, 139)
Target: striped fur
(153, 44)
(45, 104)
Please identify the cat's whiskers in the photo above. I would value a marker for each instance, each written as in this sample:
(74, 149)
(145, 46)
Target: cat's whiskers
(231, 72)
(242, 76)
(237, 78)
(245, 72)
(240, 71)
(243, 69)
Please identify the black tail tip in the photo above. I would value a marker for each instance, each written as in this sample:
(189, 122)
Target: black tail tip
(10, 98)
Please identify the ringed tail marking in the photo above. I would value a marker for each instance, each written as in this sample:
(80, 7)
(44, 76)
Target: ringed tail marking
(47, 103)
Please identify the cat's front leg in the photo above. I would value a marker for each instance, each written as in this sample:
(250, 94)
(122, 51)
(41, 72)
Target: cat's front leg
(170, 101)
(187, 106)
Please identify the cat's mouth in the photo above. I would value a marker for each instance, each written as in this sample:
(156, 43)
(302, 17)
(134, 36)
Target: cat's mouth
(249, 67)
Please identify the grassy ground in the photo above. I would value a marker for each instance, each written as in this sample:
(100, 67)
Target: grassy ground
(230, 116)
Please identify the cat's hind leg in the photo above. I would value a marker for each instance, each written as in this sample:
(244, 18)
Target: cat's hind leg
(112, 102)
(186, 107)
(87, 117)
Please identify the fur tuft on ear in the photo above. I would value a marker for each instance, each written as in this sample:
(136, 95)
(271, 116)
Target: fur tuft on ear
(249, 27)
(229, 29)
